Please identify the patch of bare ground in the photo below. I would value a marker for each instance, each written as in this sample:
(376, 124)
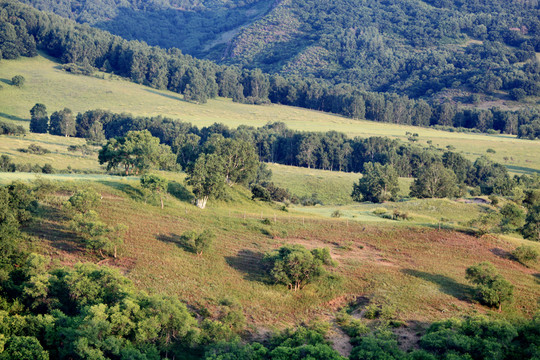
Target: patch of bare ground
(341, 342)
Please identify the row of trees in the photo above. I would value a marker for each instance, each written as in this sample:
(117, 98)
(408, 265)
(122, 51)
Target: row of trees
(199, 80)
(276, 143)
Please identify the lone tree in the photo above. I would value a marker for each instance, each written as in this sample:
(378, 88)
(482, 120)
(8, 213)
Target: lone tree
(39, 121)
(62, 123)
(207, 177)
(18, 80)
(203, 242)
(379, 184)
(531, 230)
(156, 184)
(492, 288)
(137, 152)
(435, 181)
(296, 266)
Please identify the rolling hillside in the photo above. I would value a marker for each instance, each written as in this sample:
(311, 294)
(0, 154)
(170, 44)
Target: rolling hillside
(48, 84)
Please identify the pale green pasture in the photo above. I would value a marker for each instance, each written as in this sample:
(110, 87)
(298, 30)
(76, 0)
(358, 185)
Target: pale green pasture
(59, 157)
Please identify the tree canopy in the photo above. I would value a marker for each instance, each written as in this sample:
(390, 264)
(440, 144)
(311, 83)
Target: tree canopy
(136, 152)
(378, 184)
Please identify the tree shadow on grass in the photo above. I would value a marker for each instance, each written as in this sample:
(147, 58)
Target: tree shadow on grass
(177, 240)
(446, 285)
(12, 117)
(250, 264)
(6, 81)
(169, 96)
(503, 254)
(131, 191)
(537, 278)
(50, 226)
(179, 191)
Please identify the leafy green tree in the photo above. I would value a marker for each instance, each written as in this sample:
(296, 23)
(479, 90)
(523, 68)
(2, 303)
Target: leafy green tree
(156, 184)
(492, 288)
(435, 181)
(83, 201)
(296, 266)
(39, 121)
(377, 347)
(458, 164)
(62, 123)
(531, 230)
(23, 348)
(513, 217)
(207, 177)
(203, 241)
(18, 80)
(137, 152)
(240, 161)
(260, 192)
(379, 184)
(97, 235)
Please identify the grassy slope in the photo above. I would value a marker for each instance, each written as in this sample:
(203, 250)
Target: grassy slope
(57, 89)
(417, 269)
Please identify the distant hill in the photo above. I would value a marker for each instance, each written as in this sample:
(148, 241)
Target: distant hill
(411, 47)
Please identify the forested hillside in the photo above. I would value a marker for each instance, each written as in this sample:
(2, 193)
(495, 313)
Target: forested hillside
(408, 46)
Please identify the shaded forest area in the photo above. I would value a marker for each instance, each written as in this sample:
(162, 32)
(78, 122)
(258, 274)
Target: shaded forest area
(84, 49)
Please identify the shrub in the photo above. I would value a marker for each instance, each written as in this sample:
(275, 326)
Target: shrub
(35, 149)
(82, 201)
(296, 266)
(492, 288)
(379, 211)
(336, 214)
(18, 80)
(47, 169)
(525, 254)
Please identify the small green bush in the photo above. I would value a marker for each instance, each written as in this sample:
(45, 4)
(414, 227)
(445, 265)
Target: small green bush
(379, 211)
(525, 254)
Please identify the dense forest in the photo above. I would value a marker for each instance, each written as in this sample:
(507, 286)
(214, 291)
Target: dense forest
(24, 30)
(406, 46)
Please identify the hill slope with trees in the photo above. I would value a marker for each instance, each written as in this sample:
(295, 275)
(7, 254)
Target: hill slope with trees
(414, 47)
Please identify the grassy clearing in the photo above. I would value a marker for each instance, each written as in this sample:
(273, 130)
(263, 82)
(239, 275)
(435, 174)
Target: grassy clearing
(47, 84)
(59, 156)
(330, 187)
(425, 212)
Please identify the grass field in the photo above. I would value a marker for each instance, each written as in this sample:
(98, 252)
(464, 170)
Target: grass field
(418, 270)
(330, 187)
(48, 84)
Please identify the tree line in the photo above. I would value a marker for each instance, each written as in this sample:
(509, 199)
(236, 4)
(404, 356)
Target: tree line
(276, 143)
(24, 30)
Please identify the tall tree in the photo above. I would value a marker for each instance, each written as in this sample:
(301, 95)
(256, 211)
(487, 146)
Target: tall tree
(137, 152)
(379, 183)
(39, 121)
(435, 181)
(156, 184)
(531, 230)
(207, 177)
(62, 123)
